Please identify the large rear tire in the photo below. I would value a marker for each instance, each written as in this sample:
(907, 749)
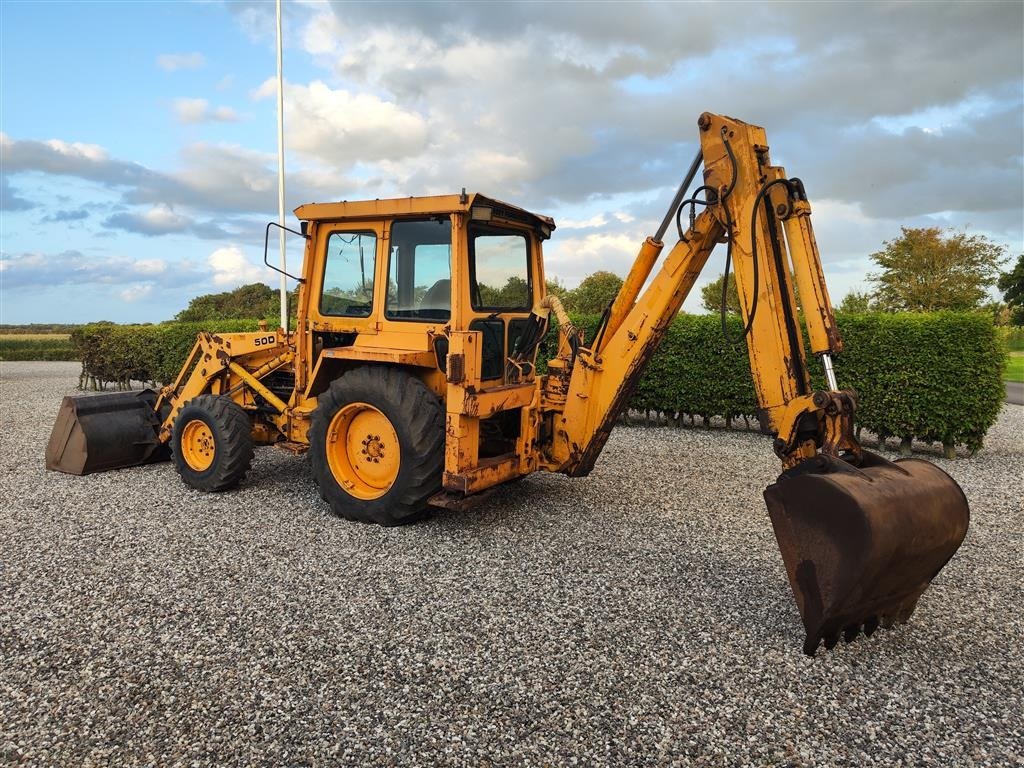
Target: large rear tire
(377, 446)
(211, 443)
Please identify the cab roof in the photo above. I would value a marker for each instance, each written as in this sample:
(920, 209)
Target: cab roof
(425, 206)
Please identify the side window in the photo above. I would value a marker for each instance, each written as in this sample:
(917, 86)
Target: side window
(499, 263)
(419, 271)
(348, 274)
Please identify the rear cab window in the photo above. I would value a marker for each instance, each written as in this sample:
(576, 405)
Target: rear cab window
(499, 267)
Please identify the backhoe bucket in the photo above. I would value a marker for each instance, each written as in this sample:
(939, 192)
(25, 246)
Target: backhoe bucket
(100, 432)
(862, 544)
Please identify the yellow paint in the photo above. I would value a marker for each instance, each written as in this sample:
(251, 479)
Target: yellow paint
(565, 416)
(198, 447)
(363, 451)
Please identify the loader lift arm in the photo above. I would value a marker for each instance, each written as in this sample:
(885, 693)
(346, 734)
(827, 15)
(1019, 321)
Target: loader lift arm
(861, 537)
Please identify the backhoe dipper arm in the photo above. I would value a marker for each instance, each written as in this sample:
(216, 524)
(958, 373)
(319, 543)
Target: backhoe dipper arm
(750, 204)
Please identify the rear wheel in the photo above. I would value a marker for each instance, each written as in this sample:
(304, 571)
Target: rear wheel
(377, 445)
(211, 442)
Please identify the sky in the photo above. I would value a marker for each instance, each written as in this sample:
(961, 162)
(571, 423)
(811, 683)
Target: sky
(138, 144)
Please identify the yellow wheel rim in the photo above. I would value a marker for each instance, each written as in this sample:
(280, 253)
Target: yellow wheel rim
(363, 451)
(197, 446)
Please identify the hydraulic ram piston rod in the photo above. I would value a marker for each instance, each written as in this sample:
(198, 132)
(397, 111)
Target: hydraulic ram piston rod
(680, 196)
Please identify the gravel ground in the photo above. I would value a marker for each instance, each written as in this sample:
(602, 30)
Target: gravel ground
(640, 616)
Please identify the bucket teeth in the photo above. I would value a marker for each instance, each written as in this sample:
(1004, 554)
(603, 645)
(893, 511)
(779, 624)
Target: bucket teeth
(850, 633)
(870, 626)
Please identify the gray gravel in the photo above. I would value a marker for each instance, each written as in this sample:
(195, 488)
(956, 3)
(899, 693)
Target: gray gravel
(638, 616)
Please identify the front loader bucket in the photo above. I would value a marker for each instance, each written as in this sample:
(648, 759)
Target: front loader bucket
(862, 544)
(100, 432)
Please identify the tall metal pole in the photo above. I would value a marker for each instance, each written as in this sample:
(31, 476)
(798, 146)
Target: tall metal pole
(280, 170)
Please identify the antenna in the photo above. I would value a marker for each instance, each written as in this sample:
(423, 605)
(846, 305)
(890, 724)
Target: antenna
(280, 171)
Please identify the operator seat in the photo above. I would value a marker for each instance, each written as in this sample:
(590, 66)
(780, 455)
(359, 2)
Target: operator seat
(438, 296)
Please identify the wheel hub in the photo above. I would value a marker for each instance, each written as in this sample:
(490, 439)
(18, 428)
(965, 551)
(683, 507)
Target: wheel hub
(373, 448)
(198, 447)
(363, 450)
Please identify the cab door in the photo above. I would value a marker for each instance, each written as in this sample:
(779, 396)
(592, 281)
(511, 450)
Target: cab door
(344, 299)
(501, 292)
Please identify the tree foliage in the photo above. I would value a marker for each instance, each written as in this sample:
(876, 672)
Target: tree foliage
(514, 293)
(554, 286)
(856, 302)
(595, 293)
(927, 270)
(254, 300)
(711, 296)
(1012, 286)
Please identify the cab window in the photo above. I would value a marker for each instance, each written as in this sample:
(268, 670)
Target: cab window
(419, 271)
(499, 267)
(348, 274)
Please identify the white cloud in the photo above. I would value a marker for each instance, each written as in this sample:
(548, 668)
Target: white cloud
(136, 292)
(573, 258)
(200, 111)
(91, 152)
(151, 266)
(231, 267)
(172, 62)
(322, 33)
(34, 270)
(597, 220)
(344, 128)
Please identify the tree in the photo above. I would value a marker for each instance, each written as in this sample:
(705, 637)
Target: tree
(856, 301)
(925, 270)
(711, 296)
(554, 286)
(515, 293)
(595, 293)
(256, 300)
(1012, 285)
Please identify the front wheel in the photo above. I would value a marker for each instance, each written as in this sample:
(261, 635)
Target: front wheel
(377, 445)
(211, 442)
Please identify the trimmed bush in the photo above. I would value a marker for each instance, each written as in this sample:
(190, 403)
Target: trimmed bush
(932, 377)
(120, 354)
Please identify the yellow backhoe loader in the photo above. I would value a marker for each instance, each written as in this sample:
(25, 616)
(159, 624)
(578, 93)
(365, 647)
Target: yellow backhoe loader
(410, 378)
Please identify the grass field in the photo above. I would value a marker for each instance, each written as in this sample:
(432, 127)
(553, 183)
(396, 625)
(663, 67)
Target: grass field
(36, 346)
(1014, 367)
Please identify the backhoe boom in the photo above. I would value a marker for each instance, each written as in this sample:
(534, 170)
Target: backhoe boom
(861, 537)
(738, 180)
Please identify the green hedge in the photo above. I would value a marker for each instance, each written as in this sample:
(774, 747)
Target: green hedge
(934, 377)
(120, 354)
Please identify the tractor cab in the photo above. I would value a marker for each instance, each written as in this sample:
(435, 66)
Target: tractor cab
(394, 278)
